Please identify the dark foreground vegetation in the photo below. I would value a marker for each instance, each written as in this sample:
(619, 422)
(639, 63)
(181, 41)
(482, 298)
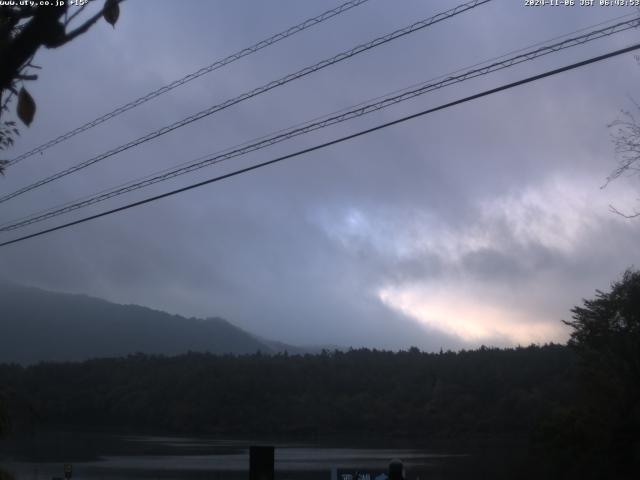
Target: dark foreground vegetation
(577, 406)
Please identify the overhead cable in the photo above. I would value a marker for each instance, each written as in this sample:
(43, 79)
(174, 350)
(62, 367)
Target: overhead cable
(257, 91)
(330, 143)
(358, 111)
(310, 22)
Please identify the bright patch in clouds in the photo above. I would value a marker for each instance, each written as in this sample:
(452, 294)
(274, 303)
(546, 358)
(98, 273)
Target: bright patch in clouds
(553, 215)
(475, 321)
(478, 307)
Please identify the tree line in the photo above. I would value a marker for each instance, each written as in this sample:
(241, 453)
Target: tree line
(404, 393)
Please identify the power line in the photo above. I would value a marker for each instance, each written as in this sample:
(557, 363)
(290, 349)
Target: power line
(359, 110)
(257, 91)
(310, 22)
(310, 126)
(333, 142)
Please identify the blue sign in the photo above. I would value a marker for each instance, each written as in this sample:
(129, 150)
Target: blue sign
(364, 474)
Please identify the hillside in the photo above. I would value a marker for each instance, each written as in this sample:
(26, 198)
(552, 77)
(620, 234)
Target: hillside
(39, 325)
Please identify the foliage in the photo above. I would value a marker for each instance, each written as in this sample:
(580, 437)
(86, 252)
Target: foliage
(24, 28)
(7, 131)
(487, 391)
(606, 335)
(609, 325)
(602, 428)
(4, 418)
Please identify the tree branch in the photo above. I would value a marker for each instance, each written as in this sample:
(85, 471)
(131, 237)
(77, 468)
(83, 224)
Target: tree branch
(86, 25)
(82, 28)
(618, 212)
(70, 19)
(26, 77)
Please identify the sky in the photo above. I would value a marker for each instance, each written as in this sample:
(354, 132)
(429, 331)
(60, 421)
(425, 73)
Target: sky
(481, 224)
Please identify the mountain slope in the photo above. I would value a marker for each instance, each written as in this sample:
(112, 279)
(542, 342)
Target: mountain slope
(38, 325)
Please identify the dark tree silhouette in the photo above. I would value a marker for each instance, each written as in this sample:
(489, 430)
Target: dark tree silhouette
(606, 337)
(24, 29)
(607, 324)
(4, 419)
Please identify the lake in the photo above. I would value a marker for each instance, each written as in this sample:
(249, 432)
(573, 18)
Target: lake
(110, 456)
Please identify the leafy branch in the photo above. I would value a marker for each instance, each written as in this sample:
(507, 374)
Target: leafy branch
(23, 30)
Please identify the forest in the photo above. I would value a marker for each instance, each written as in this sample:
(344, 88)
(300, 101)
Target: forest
(405, 393)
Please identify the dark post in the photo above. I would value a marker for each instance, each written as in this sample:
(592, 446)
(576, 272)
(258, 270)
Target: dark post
(396, 470)
(261, 461)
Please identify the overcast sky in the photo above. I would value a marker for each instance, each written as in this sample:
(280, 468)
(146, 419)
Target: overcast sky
(481, 224)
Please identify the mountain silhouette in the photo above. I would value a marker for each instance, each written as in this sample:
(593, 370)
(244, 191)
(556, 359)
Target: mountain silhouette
(38, 325)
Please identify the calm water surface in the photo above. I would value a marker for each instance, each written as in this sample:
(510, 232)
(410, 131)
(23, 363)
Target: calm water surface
(96, 456)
